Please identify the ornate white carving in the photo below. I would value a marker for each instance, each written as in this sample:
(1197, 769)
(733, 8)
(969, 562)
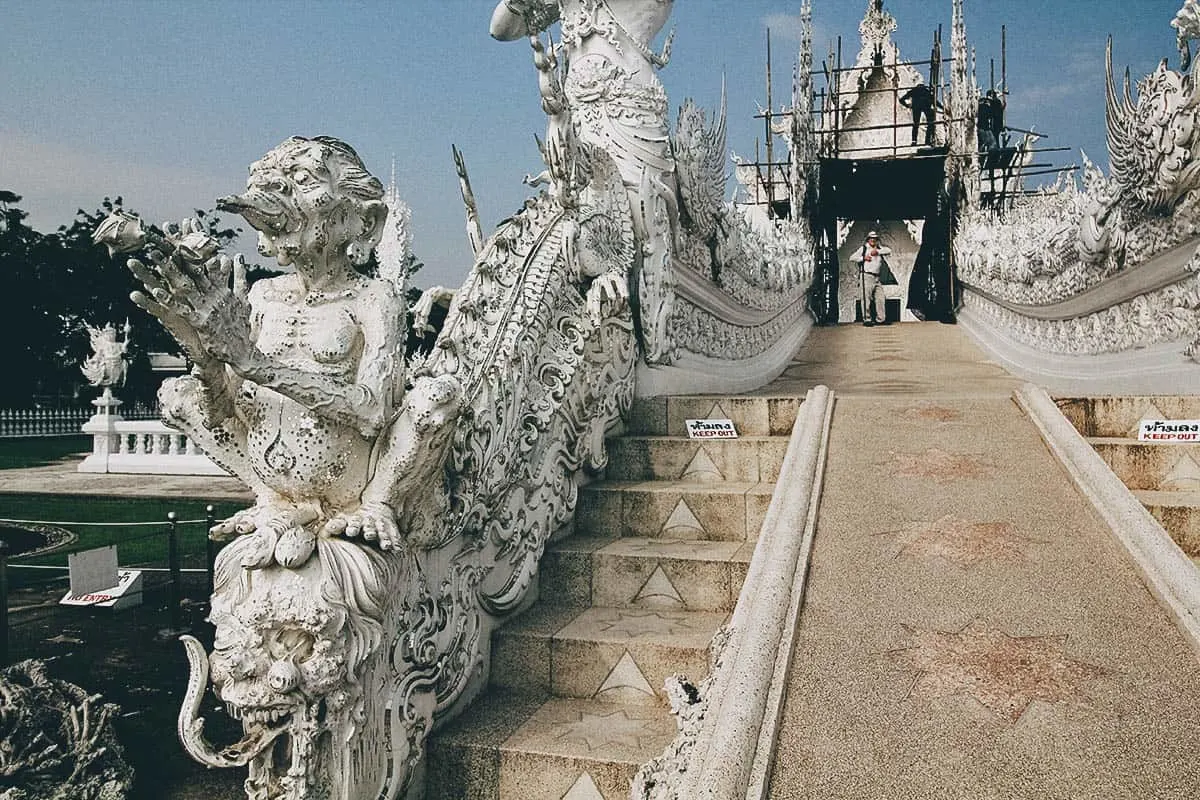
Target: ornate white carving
(618, 105)
(862, 119)
(394, 253)
(1053, 246)
(1187, 28)
(876, 29)
(962, 169)
(675, 183)
(661, 777)
(396, 511)
(1166, 315)
(802, 140)
(1154, 144)
(709, 335)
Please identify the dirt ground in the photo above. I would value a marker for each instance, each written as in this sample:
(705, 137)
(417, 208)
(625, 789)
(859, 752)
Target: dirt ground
(132, 658)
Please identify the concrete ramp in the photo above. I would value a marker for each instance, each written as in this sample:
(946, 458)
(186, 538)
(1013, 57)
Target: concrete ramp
(971, 627)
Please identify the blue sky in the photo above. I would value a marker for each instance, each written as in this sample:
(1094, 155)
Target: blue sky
(166, 102)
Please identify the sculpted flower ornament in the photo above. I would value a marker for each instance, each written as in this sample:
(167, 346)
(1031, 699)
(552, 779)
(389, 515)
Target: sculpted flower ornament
(120, 232)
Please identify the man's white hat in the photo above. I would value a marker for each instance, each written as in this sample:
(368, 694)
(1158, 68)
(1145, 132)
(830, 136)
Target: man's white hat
(872, 235)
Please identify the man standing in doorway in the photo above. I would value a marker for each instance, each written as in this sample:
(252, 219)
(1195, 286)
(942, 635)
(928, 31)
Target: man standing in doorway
(870, 259)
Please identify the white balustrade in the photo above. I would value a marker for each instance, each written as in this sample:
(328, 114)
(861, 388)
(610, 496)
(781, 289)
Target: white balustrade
(142, 447)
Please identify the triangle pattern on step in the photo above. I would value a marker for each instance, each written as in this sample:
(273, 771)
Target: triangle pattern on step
(1149, 411)
(1183, 477)
(716, 412)
(682, 524)
(625, 681)
(659, 592)
(583, 789)
(702, 468)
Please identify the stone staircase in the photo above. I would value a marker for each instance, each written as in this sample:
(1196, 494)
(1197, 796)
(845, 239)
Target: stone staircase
(635, 593)
(1165, 478)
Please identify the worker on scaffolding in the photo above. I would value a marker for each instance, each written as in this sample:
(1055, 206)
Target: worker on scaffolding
(920, 99)
(989, 122)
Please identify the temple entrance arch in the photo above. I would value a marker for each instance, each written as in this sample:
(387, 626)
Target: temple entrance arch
(904, 201)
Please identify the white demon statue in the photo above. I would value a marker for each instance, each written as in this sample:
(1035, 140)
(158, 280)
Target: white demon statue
(396, 511)
(106, 366)
(298, 388)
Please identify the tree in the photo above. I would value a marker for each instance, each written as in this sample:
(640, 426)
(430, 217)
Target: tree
(31, 323)
(52, 286)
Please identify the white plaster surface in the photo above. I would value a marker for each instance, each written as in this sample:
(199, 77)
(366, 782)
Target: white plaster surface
(1171, 577)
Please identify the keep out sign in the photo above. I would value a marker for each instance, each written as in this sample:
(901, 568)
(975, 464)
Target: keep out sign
(710, 429)
(1169, 430)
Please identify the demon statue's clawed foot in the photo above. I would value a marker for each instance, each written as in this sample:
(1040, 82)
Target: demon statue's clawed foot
(279, 531)
(374, 522)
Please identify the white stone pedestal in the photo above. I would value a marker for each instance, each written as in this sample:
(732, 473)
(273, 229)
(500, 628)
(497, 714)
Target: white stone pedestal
(102, 427)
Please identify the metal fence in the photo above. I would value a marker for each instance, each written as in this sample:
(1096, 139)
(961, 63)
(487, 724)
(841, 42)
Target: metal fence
(165, 552)
(33, 422)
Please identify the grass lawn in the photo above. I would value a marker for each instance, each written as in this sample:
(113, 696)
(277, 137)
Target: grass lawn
(27, 452)
(101, 521)
(107, 521)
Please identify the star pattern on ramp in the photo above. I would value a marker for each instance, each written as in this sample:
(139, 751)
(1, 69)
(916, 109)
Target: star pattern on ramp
(665, 548)
(635, 624)
(940, 466)
(961, 542)
(1003, 673)
(584, 788)
(931, 413)
(596, 731)
(1184, 476)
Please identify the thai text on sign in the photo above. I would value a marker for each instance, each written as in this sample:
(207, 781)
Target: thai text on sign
(710, 429)
(1169, 430)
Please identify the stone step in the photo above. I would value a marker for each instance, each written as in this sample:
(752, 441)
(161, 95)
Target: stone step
(1178, 513)
(715, 511)
(1145, 465)
(1119, 416)
(751, 459)
(619, 655)
(518, 746)
(752, 416)
(645, 573)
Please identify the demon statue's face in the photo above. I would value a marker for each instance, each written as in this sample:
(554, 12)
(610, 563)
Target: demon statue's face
(312, 201)
(287, 659)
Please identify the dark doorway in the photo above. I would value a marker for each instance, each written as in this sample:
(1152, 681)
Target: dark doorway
(889, 189)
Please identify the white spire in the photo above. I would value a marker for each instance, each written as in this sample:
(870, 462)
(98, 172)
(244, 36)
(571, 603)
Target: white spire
(394, 252)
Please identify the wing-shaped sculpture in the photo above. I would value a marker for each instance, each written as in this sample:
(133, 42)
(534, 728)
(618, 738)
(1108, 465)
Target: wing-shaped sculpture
(700, 163)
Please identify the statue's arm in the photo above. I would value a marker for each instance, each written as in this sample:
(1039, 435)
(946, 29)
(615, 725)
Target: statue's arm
(368, 403)
(516, 19)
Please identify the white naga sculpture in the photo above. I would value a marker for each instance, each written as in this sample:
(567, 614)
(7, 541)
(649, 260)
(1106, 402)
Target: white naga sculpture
(618, 105)
(403, 500)
(605, 69)
(106, 366)
(1052, 247)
